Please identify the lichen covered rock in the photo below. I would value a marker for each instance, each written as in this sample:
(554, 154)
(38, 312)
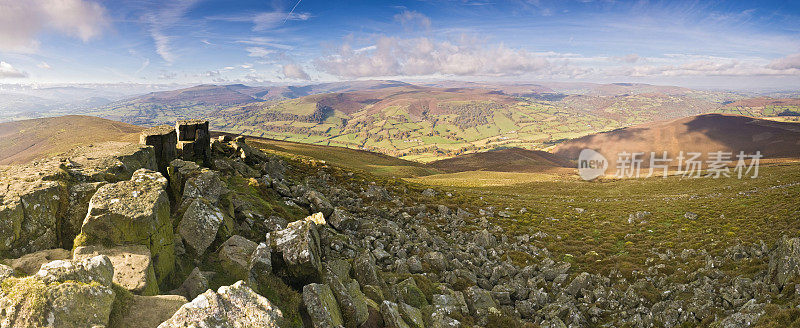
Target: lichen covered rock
(133, 212)
(235, 306)
(63, 293)
(133, 269)
(321, 306)
(234, 257)
(298, 248)
(199, 225)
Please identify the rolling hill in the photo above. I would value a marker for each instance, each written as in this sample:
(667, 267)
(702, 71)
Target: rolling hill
(28, 140)
(504, 160)
(434, 121)
(703, 133)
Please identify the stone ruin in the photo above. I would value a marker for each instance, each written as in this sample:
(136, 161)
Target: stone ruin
(190, 140)
(164, 140)
(194, 140)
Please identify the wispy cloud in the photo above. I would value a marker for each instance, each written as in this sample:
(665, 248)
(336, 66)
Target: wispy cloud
(264, 41)
(264, 21)
(161, 20)
(259, 52)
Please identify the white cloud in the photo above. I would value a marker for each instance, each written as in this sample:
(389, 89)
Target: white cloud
(412, 19)
(22, 20)
(294, 71)
(259, 52)
(8, 71)
(788, 62)
(44, 65)
(423, 56)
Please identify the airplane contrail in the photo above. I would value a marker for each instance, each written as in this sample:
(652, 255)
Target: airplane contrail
(291, 11)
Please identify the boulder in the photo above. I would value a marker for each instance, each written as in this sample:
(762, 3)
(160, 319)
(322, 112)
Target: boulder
(195, 284)
(36, 210)
(133, 269)
(365, 271)
(352, 303)
(784, 261)
(261, 261)
(480, 301)
(411, 315)
(204, 183)
(411, 294)
(298, 250)
(180, 171)
(150, 311)
(316, 218)
(248, 154)
(64, 293)
(133, 212)
(97, 269)
(342, 220)
(199, 225)
(321, 306)
(391, 315)
(29, 264)
(234, 257)
(450, 302)
(235, 306)
(319, 203)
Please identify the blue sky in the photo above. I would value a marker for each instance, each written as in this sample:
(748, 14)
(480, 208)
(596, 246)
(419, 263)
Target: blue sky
(738, 44)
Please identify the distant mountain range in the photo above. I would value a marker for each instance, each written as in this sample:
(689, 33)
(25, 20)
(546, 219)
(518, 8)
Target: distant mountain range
(432, 121)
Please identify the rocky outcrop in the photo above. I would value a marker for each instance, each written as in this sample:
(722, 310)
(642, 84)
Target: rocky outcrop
(133, 212)
(31, 209)
(62, 294)
(194, 140)
(42, 203)
(164, 140)
(133, 269)
(230, 306)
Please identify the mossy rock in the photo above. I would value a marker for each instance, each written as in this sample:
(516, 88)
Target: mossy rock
(411, 294)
